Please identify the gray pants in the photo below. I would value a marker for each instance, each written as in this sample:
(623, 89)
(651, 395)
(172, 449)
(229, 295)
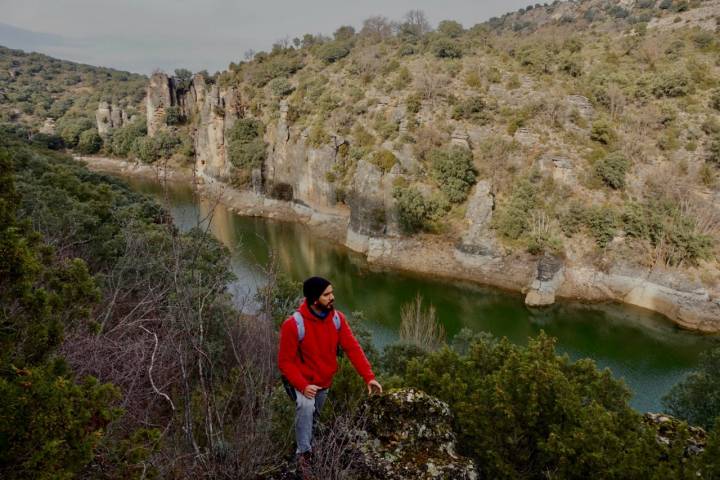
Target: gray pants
(306, 411)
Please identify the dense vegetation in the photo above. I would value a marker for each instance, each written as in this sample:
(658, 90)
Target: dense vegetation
(122, 355)
(35, 87)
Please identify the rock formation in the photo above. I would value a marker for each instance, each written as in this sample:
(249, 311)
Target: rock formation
(408, 434)
(108, 117)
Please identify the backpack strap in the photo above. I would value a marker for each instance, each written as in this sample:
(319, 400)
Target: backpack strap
(300, 322)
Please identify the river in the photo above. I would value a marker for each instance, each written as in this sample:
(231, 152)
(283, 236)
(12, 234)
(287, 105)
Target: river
(643, 348)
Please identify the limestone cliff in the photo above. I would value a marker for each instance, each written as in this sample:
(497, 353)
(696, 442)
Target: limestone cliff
(585, 185)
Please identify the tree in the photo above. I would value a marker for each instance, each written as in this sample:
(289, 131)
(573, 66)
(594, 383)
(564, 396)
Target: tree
(612, 169)
(522, 412)
(376, 29)
(331, 52)
(344, 33)
(246, 148)
(444, 47)
(451, 28)
(414, 26)
(89, 142)
(453, 169)
(183, 78)
(697, 397)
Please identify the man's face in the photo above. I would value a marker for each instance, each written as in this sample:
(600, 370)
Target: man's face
(326, 300)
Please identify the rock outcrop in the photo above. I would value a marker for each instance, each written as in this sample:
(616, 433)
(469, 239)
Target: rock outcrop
(408, 434)
(353, 202)
(550, 275)
(670, 430)
(109, 117)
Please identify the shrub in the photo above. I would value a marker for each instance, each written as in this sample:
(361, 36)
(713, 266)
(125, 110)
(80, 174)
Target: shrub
(602, 223)
(145, 149)
(454, 172)
(166, 143)
(513, 219)
(89, 142)
(124, 137)
(523, 411)
(317, 137)
(49, 141)
(572, 220)
(602, 132)
(672, 84)
(70, 130)
(331, 52)
(450, 28)
(715, 99)
(612, 169)
(419, 326)
(281, 87)
(384, 160)
(444, 47)
(413, 103)
(386, 128)
(173, 115)
(246, 148)
(473, 109)
(696, 398)
(415, 211)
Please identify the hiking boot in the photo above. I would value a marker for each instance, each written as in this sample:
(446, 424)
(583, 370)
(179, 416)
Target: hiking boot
(304, 466)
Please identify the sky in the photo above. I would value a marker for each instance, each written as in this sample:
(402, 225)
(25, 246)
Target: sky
(144, 35)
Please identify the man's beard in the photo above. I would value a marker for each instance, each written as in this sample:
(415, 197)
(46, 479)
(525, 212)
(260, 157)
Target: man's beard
(325, 308)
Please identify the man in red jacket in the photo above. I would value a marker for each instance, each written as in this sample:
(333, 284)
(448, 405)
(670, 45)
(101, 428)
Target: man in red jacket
(308, 356)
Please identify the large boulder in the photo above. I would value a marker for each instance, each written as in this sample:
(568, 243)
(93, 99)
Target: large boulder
(159, 96)
(478, 239)
(549, 277)
(408, 434)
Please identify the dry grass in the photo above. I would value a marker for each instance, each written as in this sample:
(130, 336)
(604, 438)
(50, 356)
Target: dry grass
(419, 326)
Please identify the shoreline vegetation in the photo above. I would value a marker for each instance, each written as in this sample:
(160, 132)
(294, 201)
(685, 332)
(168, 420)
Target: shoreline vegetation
(250, 204)
(124, 357)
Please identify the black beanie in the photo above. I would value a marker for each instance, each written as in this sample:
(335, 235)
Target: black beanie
(313, 287)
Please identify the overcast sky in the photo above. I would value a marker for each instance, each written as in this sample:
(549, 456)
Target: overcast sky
(142, 35)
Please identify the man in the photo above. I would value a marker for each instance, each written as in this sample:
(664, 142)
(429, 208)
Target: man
(308, 357)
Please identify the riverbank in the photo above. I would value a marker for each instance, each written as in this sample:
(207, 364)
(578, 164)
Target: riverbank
(685, 301)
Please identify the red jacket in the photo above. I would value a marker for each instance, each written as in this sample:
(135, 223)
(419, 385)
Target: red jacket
(319, 350)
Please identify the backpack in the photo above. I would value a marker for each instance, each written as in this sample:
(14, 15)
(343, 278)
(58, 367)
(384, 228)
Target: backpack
(300, 323)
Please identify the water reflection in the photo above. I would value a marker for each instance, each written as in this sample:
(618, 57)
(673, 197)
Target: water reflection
(642, 347)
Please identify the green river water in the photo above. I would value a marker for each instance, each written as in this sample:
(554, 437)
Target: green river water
(641, 347)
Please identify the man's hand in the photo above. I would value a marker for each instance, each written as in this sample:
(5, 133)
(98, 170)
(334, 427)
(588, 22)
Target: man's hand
(374, 387)
(310, 391)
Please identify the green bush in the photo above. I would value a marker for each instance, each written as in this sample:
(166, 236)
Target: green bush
(281, 87)
(123, 138)
(672, 84)
(602, 222)
(611, 169)
(524, 411)
(444, 47)
(453, 170)
(173, 115)
(573, 219)
(450, 28)
(413, 103)
(416, 212)
(246, 148)
(70, 130)
(512, 220)
(166, 143)
(145, 149)
(602, 132)
(331, 52)
(696, 398)
(384, 160)
(89, 142)
(473, 109)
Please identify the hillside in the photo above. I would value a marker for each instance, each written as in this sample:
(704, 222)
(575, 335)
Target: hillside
(590, 140)
(61, 97)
